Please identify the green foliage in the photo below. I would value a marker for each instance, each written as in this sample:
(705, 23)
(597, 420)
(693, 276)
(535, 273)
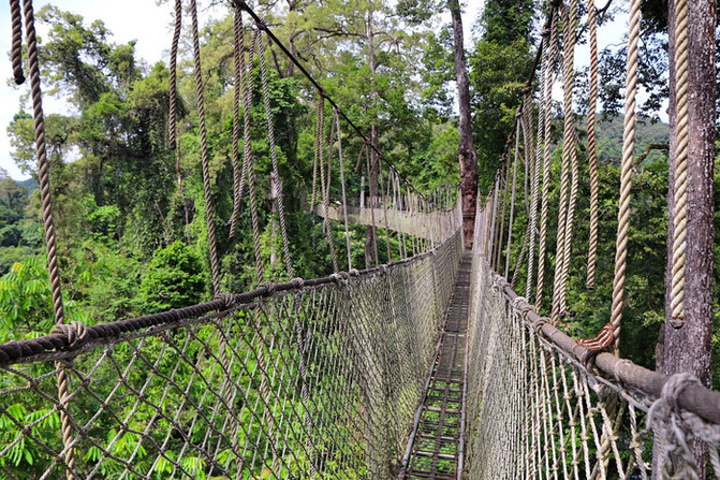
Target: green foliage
(497, 75)
(175, 278)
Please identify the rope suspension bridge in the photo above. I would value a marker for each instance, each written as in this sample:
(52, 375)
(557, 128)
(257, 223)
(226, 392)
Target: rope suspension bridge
(428, 367)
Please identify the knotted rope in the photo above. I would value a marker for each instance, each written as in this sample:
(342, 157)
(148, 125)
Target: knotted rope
(49, 226)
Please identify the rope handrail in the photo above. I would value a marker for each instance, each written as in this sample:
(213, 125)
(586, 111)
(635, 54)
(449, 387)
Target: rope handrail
(697, 399)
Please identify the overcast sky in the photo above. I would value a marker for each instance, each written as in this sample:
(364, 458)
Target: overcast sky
(150, 25)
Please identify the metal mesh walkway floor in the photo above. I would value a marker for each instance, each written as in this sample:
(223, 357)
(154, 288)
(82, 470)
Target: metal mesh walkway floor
(437, 443)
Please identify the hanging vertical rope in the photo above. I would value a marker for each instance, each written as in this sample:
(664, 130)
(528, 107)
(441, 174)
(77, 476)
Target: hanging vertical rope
(172, 111)
(16, 42)
(325, 186)
(501, 231)
(569, 19)
(512, 197)
(370, 171)
(273, 155)
(535, 183)
(387, 225)
(342, 184)
(238, 58)
(49, 226)
(592, 147)
(318, 139)
(626, 171)
(245, 84)
(204, 154)
(549, 80)
(677, 296)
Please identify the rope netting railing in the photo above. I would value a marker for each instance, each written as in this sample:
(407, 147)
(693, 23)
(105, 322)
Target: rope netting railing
(541, 406)
(310, 379)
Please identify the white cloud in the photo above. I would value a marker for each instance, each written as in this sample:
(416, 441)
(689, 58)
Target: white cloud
(141, 20)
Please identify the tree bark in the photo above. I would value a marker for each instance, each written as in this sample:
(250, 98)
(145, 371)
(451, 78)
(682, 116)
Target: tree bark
(687, 349)
(466, 150)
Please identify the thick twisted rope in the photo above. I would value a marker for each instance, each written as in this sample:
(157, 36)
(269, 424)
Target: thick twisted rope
(535, 182)
(592, 147)
(318, 151)
(677, 296)
(569, 162)
(512, 197)
(16, 42)
(172, 111)
(549, 60)
(204, 154)
(324, 186)
(501, 231)
(370, 170)
(245, 84)
(273, 155)
(49, 226)
(384, 205)
(626, 170)
(172, 108)
(238, 58)
(342, 183)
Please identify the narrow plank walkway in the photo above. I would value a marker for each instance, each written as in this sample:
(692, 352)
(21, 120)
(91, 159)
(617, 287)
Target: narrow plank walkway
(437, 444)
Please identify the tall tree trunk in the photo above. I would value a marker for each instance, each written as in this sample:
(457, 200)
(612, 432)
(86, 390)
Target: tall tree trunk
(687, 349)
(466, 150)
(371, 236)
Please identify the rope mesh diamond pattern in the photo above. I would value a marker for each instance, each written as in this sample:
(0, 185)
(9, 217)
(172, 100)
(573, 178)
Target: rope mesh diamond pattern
(535, 411)
(163, 403)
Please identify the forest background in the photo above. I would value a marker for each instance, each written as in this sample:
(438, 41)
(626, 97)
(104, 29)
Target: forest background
(131, 228)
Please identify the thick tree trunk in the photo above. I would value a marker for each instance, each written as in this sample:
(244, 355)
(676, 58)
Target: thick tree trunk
(371, 236)
(466, 150)
(687, 349)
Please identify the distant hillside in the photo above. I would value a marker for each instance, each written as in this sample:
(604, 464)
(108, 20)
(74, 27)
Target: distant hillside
(30, 184)
(610, 138)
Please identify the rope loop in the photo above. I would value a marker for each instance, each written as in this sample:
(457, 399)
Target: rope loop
(677, 322)
(666, 418)
(227, 298)
(269, 288)
(538, 326)
(339, 280)
(297, 283)
(354, 272)
(522, 307)
(498, 283)
(74, 332)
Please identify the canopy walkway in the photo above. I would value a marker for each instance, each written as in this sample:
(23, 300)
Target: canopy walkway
(429, 367)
